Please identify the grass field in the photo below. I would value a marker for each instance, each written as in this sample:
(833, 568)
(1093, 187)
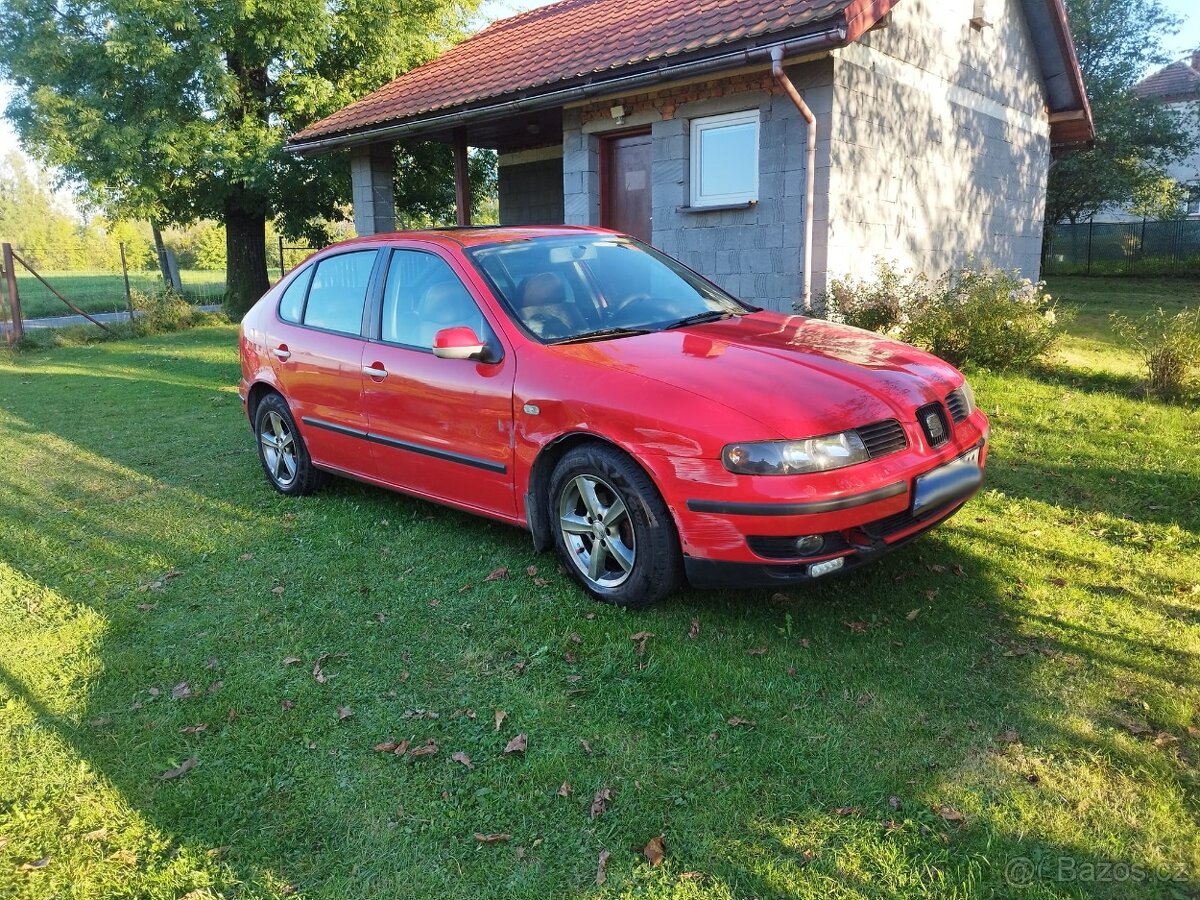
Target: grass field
(105, 291)
(1008, 707)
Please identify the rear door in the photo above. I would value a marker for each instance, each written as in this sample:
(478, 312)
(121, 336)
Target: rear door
(318, 347)
(441, 428)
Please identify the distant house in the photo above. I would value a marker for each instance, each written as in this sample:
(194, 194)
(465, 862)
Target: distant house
(685, 123)
(1177, 87)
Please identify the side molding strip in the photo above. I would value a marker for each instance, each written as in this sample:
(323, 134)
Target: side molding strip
(449, 456)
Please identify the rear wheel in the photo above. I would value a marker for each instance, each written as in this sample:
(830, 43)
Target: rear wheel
(281, 449)
(612, 528)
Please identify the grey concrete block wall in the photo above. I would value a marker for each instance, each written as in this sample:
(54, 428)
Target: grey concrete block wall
(372, 168)
(531, 193)
(941, 143)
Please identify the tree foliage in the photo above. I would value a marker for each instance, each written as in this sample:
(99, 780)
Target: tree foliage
(1136, 139)
(177, 111)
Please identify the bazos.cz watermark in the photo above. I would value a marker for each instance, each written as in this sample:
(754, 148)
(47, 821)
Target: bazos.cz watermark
(1023, 870)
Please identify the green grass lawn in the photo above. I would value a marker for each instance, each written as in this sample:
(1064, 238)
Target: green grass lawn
(105, 291)
(1020, 688)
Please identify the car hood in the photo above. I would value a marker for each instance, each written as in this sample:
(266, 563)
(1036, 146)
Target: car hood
(796, 376)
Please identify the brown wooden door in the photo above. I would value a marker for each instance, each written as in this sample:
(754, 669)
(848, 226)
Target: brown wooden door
(625, 185)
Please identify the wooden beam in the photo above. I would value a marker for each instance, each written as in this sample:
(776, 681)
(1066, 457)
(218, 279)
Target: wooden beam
(14, 297)
(462, 180)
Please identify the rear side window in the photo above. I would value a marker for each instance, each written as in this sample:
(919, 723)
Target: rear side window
(291, 306)
(339, 291)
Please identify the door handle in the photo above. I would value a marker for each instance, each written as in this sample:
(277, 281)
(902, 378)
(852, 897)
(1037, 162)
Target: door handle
(282, 353)
(375, 371)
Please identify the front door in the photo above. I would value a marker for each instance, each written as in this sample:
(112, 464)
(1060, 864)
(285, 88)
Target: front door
(441, 428)
(625, 186)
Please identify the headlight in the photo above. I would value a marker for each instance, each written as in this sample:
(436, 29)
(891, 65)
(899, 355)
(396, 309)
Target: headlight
(969, 396)
(819, 454)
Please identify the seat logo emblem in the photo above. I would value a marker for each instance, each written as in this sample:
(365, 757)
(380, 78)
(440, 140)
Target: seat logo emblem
(933, 424)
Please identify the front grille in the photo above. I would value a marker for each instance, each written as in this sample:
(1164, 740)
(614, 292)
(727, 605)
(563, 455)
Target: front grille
(956, 402)
(769, 547)
(932, 419)
(882, 438)
(882, 528)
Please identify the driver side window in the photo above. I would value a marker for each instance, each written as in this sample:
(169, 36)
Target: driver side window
(421, 297)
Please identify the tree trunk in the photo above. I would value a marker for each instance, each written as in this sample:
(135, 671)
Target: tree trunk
(160, 250)
(245, 258)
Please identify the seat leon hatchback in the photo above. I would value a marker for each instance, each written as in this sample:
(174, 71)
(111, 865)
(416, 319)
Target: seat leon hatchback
(624, 410)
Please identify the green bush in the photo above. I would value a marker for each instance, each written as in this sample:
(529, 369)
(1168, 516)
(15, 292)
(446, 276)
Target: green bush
(157, 313)
(983, 316)
(1169, 346)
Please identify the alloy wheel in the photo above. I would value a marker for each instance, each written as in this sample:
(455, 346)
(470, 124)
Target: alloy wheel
(278, 448)
(597, 530)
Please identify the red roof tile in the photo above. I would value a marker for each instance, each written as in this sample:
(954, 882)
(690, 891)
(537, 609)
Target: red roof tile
(575, 38)
(1178, 81)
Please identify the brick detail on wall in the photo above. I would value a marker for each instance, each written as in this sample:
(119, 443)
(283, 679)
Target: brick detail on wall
(667, 102)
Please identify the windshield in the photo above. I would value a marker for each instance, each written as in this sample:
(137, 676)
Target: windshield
(598, 286)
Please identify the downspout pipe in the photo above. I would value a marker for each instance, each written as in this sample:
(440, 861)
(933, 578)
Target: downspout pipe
(810, 168)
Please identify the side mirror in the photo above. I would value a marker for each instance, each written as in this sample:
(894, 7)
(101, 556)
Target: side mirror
(459, 342)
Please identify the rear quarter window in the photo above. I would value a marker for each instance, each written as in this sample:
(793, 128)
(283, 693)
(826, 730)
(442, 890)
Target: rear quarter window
(291, 305)
(339, 291)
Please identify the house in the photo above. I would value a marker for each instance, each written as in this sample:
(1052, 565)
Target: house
(769, 145)
(1177, 87)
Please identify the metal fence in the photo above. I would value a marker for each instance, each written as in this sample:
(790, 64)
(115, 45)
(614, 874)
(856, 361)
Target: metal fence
(1127, 248)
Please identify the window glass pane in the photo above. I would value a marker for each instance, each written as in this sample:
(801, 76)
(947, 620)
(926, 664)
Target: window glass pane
(339, 289)
(422, 296)
(292, 303)
(726, 155)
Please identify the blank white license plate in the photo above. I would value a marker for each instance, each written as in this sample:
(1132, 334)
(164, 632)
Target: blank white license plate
(947, 483)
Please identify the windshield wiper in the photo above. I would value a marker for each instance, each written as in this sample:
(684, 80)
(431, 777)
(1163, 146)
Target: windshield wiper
(709, 315)
(601, 334)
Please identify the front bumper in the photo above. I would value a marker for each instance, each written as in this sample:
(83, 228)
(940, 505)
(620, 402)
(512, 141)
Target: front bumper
(715, 573)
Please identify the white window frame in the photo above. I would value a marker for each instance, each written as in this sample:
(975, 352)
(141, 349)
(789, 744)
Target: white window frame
(708, 123)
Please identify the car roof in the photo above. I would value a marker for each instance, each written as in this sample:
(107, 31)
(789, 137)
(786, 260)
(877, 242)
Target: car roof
(474, 235)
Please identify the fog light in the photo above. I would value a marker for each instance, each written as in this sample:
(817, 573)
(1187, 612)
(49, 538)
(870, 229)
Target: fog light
(810, 545)
(824, 568)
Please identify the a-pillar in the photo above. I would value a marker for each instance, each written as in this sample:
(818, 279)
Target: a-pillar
(371, 170)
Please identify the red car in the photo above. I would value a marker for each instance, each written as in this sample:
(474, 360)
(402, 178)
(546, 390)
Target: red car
(581, 385)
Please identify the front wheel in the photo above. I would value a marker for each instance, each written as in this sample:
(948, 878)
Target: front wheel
(612, 528)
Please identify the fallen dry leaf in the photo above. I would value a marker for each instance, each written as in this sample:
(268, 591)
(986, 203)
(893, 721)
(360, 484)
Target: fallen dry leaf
(565, 789)
(194, 729)
(958, 570)
(950, 814)
(694, 631)
(387, 746)
(913, 614)
(212, 663)
(498, 838)
(601, 865)
(655, 850)
(497, 574)
(931, 595)
(501, 715)
(585, 745)
(757, 651)
(1165, 739)
(99, 834)
(145, 607)
(101, 722)
(574, 638)
(600, 801)
(125, 857)
(640, 640)
(540, 582)
(895, 802)
(1193, 731)
(857, 627)
(429, 748)
(738, 720)
(1009, 735)
(181, 691)
(182, 769)
(380, 618)
(287, 705)
(532, 571)
(343, 713)
(401, 748)
(278, 589)
(321, 677)
(516, 745)
(215, 686)
(461, 757)
(34, 865)
(231, 715)
(290, 661)
(847, 811)
(791, 671)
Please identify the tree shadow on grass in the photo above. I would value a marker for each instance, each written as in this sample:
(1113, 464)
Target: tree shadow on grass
(853, 701)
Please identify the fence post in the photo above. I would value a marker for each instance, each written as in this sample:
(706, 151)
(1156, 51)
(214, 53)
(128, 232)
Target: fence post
(282, 271)
(14, 297)
(125, 275)
(1091, 227)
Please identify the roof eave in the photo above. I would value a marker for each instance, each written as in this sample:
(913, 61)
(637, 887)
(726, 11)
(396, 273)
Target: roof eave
(832, 35)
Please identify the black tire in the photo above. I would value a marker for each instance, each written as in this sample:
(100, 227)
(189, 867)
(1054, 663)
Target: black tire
(639, 561)
(291, 471)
